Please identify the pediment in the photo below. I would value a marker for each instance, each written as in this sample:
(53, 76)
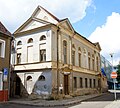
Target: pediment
(30, 24)
(43, 14)
(66, 24)
(98, 45)
(39, 18)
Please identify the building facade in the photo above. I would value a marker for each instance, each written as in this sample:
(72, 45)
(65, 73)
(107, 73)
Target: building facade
(52, 59)
(5, 48)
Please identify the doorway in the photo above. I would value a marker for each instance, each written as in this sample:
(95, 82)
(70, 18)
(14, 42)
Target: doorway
(66, 85)
(17, 89)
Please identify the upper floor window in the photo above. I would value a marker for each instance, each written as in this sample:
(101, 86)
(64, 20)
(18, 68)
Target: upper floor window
(79, 56)
(43, 55)
(93, 62)
(19, 43)
(65, 51)
(43, 37)
(18, 58)
(73, 54)
(85, 57)
(88, 60)
(2, 48)
(97, 63)
(30, 40)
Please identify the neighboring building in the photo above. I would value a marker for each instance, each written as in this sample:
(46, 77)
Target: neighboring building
(106, 69)
(52, 59)
(5, 48)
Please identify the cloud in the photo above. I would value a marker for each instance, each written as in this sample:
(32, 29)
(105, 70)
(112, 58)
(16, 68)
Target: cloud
(108, 37)
(14, 12)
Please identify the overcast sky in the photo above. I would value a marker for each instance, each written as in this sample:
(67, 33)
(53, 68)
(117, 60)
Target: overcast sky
(97, 20)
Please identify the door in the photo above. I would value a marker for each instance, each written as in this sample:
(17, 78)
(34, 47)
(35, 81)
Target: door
(17, 89)
(66, 90)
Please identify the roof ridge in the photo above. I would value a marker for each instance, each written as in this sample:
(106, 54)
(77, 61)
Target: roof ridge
(4, 30)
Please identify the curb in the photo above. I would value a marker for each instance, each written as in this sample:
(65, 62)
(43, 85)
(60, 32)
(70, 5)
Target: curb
(71, 102)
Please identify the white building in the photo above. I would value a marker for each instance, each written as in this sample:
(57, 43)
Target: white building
(52, 59)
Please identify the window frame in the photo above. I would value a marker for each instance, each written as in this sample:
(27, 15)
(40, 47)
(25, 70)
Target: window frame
(2, 48)
(43, 55)
(65, 51)
(43, 37)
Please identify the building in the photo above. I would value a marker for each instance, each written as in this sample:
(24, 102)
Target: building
(52, 59)
(5, 48)
(106, 69)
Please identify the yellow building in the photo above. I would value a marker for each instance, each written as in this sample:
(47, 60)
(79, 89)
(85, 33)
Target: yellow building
(52, 59)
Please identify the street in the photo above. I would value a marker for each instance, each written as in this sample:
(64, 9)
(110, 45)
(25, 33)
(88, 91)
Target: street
(98, 102)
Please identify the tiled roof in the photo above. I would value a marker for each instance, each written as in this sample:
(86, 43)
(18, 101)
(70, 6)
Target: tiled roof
(4, 30)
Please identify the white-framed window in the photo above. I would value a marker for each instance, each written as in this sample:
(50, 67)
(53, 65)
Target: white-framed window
(2, 48)
(1, 82)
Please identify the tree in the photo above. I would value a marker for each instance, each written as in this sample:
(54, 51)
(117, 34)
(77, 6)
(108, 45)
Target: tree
(118, 73)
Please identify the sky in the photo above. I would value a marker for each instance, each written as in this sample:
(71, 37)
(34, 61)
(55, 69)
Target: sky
(97, 20)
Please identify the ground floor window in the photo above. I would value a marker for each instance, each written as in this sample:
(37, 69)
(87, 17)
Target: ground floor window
(86, 83)
(81, 83)
(75, 82)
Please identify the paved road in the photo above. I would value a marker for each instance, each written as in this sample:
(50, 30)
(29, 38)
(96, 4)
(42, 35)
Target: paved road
(7, 105)
(98, 102)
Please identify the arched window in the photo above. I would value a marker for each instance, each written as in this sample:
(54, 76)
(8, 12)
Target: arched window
(85, 57)
(19, 43)
(30, 40)
(73, 54)
(43, 37)
(41, 78)
(79, 56)
(89, 59)
(29, 78)
(65, 51)
(93, 62)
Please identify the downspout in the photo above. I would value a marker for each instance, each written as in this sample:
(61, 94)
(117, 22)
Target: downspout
(58, 61)
(10, 68)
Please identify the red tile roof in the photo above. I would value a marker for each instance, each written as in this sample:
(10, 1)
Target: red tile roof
(4, 30)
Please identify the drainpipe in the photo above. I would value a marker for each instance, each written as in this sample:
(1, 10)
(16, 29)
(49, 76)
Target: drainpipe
(71, 60)
(58, 61)
(10, 68)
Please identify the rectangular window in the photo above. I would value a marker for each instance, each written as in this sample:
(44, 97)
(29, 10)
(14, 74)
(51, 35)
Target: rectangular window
(73, 57)
(75, 82)
(86, 84)
(30, 54)
(81, 83)
(1, 83)
(42, 55)
(2, 48)
(19, 58)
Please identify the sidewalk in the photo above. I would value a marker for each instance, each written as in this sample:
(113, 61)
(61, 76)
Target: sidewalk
(51, 103)
(114, 104)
